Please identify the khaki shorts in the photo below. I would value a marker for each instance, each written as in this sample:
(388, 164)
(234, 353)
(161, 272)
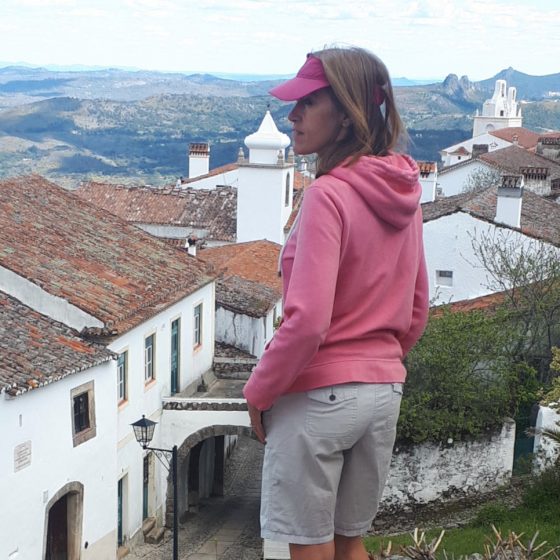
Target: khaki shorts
(326, 461)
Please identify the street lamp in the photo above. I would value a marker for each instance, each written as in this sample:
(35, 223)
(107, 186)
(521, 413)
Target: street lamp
(144, 432)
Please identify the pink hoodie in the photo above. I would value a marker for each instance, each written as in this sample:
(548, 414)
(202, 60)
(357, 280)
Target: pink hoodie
(355, 285)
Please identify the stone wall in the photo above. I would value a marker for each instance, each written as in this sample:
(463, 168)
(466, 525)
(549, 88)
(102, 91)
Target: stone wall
(545, 449)
(234, 368)
(427, 472)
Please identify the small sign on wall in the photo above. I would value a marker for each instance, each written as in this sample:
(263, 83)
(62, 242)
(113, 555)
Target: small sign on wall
(22, 456)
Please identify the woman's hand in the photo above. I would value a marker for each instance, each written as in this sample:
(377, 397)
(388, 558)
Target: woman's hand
(256, 422)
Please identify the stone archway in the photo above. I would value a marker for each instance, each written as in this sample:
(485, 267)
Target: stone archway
(189, 453)
(62, 537)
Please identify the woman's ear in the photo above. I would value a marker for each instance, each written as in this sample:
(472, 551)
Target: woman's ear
(346, 122)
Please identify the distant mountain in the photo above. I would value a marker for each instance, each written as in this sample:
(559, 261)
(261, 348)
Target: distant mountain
(20, 85)
(136, 126)
(529, 88)
(406, 82)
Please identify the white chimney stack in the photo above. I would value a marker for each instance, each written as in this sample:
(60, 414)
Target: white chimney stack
(510, 198)
(199, 159)
(190, 246)
(428, 180)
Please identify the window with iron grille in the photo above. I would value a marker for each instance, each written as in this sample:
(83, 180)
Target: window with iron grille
(83, 413)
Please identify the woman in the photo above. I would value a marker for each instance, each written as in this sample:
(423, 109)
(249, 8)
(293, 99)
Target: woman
(326, 393)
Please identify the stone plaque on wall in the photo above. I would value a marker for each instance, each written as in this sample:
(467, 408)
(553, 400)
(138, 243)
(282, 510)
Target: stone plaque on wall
(22, 456)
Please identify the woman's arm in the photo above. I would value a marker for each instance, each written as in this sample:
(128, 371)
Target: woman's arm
(309, 301)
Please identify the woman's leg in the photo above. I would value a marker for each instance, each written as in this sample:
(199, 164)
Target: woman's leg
(312, 551)
(349, 548)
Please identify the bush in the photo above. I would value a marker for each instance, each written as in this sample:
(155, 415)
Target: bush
(461, 382)
(491, 514)
(543, 494)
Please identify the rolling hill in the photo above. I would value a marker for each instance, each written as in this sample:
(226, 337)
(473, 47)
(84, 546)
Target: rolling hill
(136, 126)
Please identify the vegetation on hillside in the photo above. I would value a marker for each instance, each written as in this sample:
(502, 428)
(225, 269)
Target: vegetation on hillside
(137, 126)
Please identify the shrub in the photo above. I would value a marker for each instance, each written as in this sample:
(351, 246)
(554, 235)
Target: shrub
(491, 514)
(461, 382)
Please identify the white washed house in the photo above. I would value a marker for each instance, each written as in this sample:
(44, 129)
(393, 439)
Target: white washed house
(57, 417)
(541, 175)
(451, 224)
(148, 302)
(248, 293)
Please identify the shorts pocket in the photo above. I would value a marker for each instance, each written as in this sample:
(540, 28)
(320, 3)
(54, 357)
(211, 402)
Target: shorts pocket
(331, 411)
(395, 407)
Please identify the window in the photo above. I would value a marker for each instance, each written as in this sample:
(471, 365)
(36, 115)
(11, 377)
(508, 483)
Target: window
(444, 278)
(149, 354)
(122, 374)
(83, 413)
(287, 192)
(175, 354)
(197, 338)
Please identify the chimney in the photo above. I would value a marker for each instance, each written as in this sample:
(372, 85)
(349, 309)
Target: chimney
(199, 159)
(515, 139)
(190, 245)
(509, 200)
(479, 149)
(428, 180)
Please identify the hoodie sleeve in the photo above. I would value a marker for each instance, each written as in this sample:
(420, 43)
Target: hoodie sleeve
(309, 301)
(420, 305)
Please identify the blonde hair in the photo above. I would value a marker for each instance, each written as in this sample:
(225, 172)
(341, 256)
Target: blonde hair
(359, 82)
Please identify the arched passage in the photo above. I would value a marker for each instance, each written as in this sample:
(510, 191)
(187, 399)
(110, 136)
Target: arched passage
(63, 523)
(201, 462)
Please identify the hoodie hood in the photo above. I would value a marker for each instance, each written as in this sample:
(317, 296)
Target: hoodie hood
(389, 185)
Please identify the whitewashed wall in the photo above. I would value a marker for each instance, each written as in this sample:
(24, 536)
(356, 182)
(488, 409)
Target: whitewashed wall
(42, 419)
(448, 246)
(228, 178)
(455, 180)
(244, 332)
(172, 232)
(545, 449)
(493, 142)
(430, 471)
(53, 306)
(146, 399)
(261, 209)
(428, 185)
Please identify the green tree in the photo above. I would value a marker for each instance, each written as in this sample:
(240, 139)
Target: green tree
(482, 178)
(527, 275)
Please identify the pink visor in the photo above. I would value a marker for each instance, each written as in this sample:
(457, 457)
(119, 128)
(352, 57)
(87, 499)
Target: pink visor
(310, 78)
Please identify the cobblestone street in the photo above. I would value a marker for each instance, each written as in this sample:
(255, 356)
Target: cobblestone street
(224, 528)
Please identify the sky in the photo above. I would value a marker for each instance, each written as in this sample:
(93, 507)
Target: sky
(415, 38)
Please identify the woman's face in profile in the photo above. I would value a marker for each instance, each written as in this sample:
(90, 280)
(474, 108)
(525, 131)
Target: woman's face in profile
(316, 123)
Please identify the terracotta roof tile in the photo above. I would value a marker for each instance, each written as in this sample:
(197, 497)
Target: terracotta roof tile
(36, 351)
(514, 158)
(426, 167)
(461, 151)
(91, 258)
(213, 210)
(256, 261)
(301, 181)
(245, 296)
(525, 138)
(296, 204)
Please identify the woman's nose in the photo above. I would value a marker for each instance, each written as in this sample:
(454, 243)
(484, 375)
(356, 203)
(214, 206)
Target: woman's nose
(293, 115)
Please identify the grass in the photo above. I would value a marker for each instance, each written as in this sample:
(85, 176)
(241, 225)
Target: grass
(540, 511)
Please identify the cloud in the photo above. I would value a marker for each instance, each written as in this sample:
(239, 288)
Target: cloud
(44, 3)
